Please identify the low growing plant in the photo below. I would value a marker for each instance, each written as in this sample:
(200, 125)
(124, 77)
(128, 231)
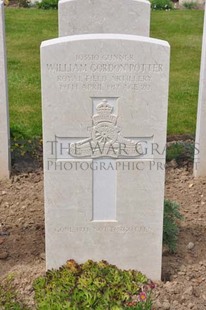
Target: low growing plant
(170, 225)
(181, 151)
(24, 148)
(48, 4)
(190, 5)
(94, 286)
(8, 296)
(162, 5)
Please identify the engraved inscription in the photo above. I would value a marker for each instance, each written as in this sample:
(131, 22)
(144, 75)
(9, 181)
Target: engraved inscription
(110, 229)
(108, 57)
(104, 73)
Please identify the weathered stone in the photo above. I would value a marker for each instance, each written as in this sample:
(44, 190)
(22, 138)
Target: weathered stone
(104, 16)
(200, 143)
(103, 120)
(4, 114)
(190, 245)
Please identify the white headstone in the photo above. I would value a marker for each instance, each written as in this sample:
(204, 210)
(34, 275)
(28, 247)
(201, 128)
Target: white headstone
(4, 118)
(104, 16)
(104, 121)
(200, 142)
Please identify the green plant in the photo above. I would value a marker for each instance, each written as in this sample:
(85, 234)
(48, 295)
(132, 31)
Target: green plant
(48, 4)
(181, 151)
(190, 5)
(96, 286)
(8, 296)
(23, 148)
(174, 151)
(170, 225)
(162, 5)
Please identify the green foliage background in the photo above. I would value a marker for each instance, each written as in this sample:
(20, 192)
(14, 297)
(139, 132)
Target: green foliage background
(27, 28)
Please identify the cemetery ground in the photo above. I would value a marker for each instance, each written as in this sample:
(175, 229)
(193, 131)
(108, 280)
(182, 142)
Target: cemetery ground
(22, 255)
(21, 198)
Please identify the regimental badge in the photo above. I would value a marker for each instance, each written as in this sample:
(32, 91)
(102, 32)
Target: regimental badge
(105, 138)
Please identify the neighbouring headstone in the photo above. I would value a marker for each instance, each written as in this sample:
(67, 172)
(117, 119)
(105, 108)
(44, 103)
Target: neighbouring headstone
(200, 142)
(104, 16)
(105, 102)
(4, 118)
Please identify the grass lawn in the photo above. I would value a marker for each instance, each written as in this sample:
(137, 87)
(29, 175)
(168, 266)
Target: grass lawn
(183, 30)
(26, 28)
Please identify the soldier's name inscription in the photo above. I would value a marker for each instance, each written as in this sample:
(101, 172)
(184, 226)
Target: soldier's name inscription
(104, 72)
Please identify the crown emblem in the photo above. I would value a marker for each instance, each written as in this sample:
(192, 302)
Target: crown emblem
(104, 107)
(104, 113)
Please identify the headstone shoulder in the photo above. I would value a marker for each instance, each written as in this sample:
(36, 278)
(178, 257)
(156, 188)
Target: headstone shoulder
(101, 36)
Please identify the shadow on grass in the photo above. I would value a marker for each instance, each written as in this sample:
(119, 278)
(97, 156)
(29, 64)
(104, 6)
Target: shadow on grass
(26, 154)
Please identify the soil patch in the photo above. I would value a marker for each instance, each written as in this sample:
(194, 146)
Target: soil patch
(22, 237)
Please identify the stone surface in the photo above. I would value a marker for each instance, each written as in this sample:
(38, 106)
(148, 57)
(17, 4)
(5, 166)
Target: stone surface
(3, 255)
(200, 142)
(104, 109)
(190, 245)
(166, 305)
(4, 118)
(43, 256)
(104, 16)
(1, 240)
